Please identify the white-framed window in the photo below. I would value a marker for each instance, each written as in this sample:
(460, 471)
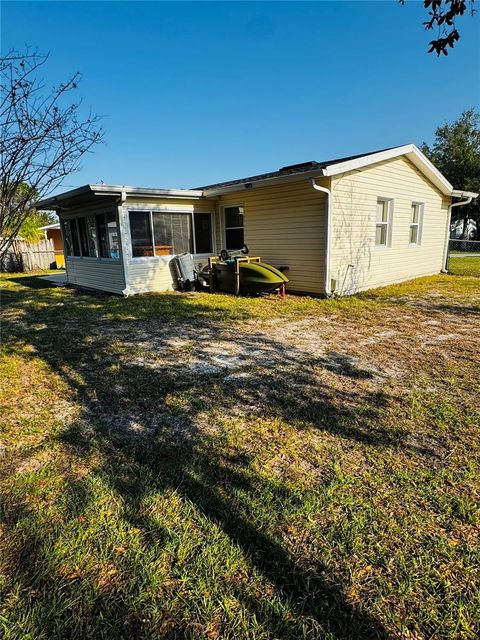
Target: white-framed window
(234, 227)
(92, 236)
(165, 233)
(383, 226)
(416, 223)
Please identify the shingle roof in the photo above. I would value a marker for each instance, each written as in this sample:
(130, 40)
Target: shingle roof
(291, 169)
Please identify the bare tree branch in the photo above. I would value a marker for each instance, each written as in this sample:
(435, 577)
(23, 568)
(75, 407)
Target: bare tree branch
(43, 137)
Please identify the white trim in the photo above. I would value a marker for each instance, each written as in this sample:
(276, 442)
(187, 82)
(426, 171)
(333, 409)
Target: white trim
(464, 194)
(47, 227)
(224, 226)
(412, 152)
(165, 209)
(388, 223)
(106, 189)
(327, 284)
(122, 220)
(419, 224)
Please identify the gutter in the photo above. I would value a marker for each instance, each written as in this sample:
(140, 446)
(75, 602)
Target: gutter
(469, 196)
(327, 283)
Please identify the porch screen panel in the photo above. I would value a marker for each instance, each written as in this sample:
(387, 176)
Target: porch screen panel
(82, 231)
(172, 233)
(102, 235)
(75, 239)
(67, 234)
(141, 233)
(91, 228)
(113, 239)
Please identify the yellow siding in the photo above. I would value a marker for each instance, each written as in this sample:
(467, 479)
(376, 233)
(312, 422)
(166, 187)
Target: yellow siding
(354, 199)
(284, 224)
(156, 273)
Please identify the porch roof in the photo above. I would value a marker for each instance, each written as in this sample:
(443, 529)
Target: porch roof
(88, 191)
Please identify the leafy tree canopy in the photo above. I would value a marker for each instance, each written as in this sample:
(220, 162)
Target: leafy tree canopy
(456, 153)
(28, 220)
(30, 229)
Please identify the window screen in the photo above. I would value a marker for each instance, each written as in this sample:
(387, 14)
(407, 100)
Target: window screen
(91, 229)
(88, 236)
(203, 232)
(172, 233)
(141, 233)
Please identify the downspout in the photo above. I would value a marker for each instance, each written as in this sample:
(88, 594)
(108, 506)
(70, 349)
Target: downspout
(447, 232)
(327, 235)
(120, 202)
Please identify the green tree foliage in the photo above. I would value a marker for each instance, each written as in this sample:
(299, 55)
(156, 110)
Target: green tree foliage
(28, 220)
(456, 153)
(30, 229)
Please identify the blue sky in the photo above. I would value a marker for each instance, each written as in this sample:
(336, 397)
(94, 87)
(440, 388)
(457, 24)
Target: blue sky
(193, 93)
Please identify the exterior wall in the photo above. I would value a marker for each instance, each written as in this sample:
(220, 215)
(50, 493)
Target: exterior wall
(284, 224)
(103, 274)
(148, 274)
(93, 273)
(354, 201)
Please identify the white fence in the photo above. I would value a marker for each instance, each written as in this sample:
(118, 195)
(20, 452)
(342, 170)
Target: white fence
(23, 256)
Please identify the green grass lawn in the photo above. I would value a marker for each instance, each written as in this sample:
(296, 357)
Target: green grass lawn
(464, 266)
(199, 466)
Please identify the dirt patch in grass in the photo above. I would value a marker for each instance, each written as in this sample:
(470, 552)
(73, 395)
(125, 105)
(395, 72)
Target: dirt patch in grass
(201, 466)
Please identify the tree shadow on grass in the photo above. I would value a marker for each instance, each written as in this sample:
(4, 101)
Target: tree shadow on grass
(147, 445)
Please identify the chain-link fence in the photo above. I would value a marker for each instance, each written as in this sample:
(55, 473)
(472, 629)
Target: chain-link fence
(464, 247)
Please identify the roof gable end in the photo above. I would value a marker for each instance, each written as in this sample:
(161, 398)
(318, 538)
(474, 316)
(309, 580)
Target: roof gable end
(410, 151)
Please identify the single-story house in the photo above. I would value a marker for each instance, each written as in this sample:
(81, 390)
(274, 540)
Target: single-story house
(53, 232)
(341, 226)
